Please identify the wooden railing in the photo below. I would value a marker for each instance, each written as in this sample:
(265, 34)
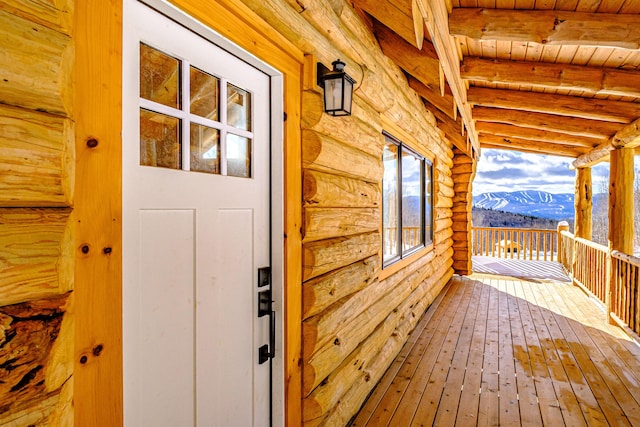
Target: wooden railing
(515, 243)
(589, 267)
(609, 276)
(624, 305)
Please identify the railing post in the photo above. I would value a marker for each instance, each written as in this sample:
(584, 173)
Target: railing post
(608, 283)
(562, 226)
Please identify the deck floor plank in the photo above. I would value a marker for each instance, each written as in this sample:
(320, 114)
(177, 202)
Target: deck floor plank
(527, 398)
(431, 387)
(448, 408)
(508, 389)
(504, 351)
(470, 395)
(392, 385)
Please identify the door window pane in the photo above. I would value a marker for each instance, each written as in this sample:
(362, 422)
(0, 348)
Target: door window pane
(159, 140)
(205, 149)
(238, 156)
(411, 201)
(238, 107)
(390, 202)
(204, 94)
(159, 77)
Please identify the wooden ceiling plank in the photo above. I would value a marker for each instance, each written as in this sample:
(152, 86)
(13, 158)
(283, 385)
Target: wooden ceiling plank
(550, 122)
(445, 103)
(423, 63)
(629, 136)
(560, 76)
(436, 18)
(391, 15)
(586, 108)
(540, 147)
(511, 131)
(547, 27)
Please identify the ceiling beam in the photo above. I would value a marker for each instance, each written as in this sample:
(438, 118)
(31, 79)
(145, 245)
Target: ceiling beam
(564, 105)
(445, 103)
(568, 125)
(549, 27)
(511, 131)
(527, 146)
(423, 63)
(418, 24)
(629, 136)
(393, 15)
(436, 19)
(593, 80)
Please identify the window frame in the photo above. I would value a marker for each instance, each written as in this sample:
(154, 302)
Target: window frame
(427, 187)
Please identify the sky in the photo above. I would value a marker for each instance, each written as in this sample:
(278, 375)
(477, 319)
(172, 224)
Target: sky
(504, 170)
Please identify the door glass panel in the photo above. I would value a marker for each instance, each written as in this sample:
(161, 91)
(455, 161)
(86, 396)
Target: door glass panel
(205, 149)
(159, 77)
(238, 156)
(238, 107)
(412, 203)
(159, 140)
(390, 202)
(204, 94)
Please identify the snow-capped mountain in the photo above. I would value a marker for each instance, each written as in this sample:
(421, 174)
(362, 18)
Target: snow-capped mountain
(530, 202)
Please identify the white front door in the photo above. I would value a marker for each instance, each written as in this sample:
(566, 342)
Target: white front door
(196, 229)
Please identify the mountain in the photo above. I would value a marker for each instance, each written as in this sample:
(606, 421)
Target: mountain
(530, 202)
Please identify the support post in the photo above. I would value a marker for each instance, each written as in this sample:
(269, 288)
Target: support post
(621, 232)
(583, 204)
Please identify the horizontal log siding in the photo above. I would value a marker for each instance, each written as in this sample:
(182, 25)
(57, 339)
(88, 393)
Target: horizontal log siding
(353, 323)
(36, 220)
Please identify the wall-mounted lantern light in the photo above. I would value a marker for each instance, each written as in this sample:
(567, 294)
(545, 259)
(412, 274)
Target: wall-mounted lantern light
(338, 88)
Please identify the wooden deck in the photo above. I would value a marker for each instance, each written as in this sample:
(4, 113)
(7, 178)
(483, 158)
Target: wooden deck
(497, 350)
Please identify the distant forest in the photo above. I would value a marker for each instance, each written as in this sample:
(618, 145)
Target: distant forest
(494, 218)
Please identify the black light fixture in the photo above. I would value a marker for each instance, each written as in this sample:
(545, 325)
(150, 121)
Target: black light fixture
(338, 88)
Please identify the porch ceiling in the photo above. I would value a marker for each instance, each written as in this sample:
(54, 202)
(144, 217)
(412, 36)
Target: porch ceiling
(556, 77)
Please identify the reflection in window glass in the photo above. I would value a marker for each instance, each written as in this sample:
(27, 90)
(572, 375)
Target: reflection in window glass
(407, 201)
(159, 77)
(204, 94)
(238, 156)
(428, 204)
(390, 231)
(205, 149)
(159, 140)
(411, 201)
(238, 107)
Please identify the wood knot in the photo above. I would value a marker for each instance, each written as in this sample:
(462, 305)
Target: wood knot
(92, 143)
(85, 249)
(97, 350)
(83, 359)
(336, 341)
(107, 250)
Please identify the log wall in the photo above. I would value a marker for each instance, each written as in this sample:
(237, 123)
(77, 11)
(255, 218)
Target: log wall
(463, 173)
(355, 316)
(36, 218)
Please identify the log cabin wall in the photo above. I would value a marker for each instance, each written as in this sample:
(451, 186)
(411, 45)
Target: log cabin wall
(356, 316)
(36, 218)
(463, 172)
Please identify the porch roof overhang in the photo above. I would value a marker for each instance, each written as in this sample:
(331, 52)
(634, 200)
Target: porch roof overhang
(559, 78)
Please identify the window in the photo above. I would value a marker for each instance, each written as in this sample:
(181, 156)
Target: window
(182, 122)
(406, 201)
